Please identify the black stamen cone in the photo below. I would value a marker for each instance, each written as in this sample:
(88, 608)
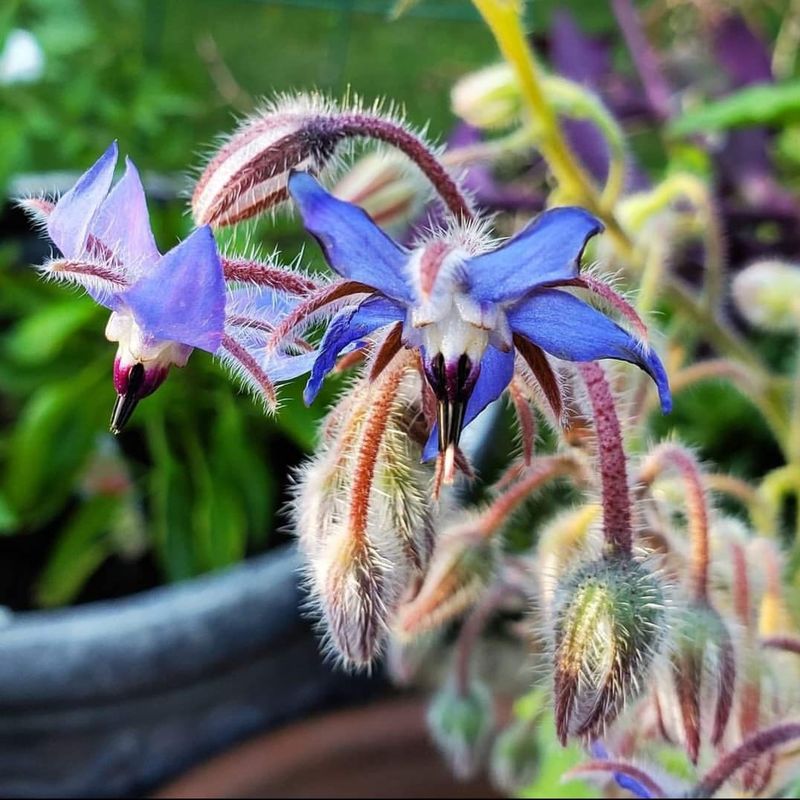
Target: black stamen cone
(126, 402)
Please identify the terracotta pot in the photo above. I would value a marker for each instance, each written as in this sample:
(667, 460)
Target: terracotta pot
(379, 750)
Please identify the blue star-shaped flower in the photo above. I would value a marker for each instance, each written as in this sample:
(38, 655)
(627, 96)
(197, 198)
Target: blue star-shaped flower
(466, 308)
(163, 306)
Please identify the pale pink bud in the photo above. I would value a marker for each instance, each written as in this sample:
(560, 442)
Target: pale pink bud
(249, 173)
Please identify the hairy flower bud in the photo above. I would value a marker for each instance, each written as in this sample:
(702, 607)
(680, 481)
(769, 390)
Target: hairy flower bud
(609, 617)
(460, 570)
(364, 515)
(766, 294)
(703, 670)
(385, 186)
(249, 173)
(488, 98)
(461, 724)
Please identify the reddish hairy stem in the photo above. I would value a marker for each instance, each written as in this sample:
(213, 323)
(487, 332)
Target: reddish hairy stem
(697, 510)
(791, 644)
(312, 304)
(543, 470)
(623, 767)
(252, 366)
(240, 269)
(99, 271)
(751, 748)
(526, 419)
(371, 439)
(375, 127)
(617, 528)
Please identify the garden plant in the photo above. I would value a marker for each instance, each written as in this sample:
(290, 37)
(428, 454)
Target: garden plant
(595, 605)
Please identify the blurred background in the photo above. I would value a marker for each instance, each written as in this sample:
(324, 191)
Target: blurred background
(197, 480)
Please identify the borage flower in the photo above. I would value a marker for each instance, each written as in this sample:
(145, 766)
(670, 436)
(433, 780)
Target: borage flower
(467, 307)
(162, 306)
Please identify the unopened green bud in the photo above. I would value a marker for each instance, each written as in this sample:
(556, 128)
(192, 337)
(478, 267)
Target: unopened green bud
(461, 723)
(488, 98)
(767, 293)
(609, 617)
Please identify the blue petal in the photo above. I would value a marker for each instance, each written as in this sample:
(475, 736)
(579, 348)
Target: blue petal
(68, 224)
(122, 224)
(354, 246)
(182, 299)
(624, 781)
(568, 328)
(548, 249)
(284, 367)
(497, 369)
(347, 327)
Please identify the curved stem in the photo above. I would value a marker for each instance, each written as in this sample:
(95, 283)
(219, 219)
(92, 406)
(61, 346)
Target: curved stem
(376, 127)
(750, 749)
(613, 466)
(670, 454)
(470, 633)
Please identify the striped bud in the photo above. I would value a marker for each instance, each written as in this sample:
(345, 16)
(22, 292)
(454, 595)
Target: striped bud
(385, 187)
(248, 175)
(364, 514)
(609, 617)
(703, 667)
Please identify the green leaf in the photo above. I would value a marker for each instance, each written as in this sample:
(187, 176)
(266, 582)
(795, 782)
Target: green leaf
(82, 546)
(8, 519)
(50, 444)
(40, 336)
(171, 506)
(768, 104)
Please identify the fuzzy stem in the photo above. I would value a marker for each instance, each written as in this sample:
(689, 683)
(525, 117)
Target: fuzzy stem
(696, 506)
(617, 528)
(644, 57)
(751, 748)
(244, 271)
(375, 127)
(790, 644)
(252, 366)
(540, 472)
(470, 634)
(371, 439)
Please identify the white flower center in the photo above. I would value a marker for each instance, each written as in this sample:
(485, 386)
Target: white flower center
(137, 346)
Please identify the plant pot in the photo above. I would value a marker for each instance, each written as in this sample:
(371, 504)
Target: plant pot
(380, 750)
(117, 697)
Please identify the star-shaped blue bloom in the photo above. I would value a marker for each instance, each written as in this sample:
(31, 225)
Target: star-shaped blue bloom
(163, 306)
(466, 307)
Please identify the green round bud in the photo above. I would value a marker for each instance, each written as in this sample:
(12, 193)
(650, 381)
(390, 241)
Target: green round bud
(766, 293)
(609, 622)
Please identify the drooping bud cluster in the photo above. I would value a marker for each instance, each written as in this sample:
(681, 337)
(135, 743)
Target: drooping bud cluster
(364, 514)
